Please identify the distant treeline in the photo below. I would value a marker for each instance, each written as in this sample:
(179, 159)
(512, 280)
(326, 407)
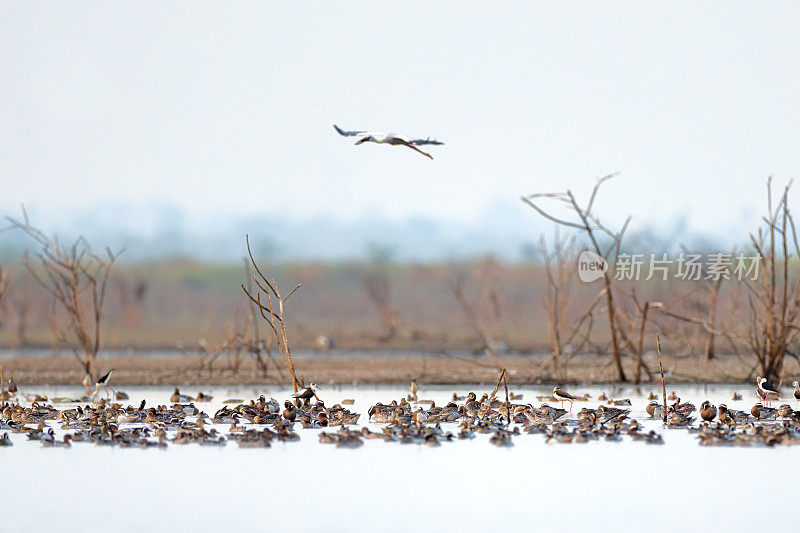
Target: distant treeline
(509, 231)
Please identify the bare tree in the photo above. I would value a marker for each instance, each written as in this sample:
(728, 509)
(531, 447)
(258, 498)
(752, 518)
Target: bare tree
(492, 310)
(637, 321)
(271, 305)
(3, 283)
(482, 309)
(628, 315)
(3, 289)
(20, 305)
(242, 337)
(456, 285)
(709, 349)
(560, 264)
(236, 345)
(76, 278)
(592, 228)
(256, 346)
(377, 285)
(130, 293)
(774, 299)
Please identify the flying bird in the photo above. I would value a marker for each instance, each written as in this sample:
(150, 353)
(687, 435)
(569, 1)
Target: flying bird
(388, 138)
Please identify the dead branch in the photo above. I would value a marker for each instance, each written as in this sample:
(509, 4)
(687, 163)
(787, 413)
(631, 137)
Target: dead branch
(377, 286)
(456, 286)
(271, 305)
(76, 278)
(3, 284)
(589, 224)
(560, 262)
(774, 298)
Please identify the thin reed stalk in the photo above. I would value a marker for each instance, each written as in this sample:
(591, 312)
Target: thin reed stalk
(508, 403)
(663, 383)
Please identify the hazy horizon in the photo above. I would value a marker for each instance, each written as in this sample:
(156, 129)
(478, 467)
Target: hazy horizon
(509, 231)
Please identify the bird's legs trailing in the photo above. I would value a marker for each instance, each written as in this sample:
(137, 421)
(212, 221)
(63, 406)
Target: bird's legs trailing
(418, 150)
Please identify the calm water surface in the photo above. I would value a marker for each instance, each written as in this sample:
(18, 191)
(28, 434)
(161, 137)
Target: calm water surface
(462, 485)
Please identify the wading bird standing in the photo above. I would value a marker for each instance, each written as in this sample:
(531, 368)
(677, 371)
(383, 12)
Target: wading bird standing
(307, 393)
(766, 388)
(388, 138)
(102, 383)
(563, 396)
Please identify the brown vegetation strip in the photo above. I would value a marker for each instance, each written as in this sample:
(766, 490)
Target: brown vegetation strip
(364, 370)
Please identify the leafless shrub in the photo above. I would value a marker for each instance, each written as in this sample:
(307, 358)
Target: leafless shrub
(709, 349)
(637, 322)
(628, 315)
(482, 309)
(271, 306)
(593, 229)
(76, 278)
(242, 337)
(774, 299)
(20, 305)
(560, 264)
(3, 287)
(259, 348)
(130, 295)
(378, 288)
(15, 305)
(236, 344)
(698, 326)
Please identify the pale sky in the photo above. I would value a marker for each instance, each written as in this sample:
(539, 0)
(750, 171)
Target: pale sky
(228, 107)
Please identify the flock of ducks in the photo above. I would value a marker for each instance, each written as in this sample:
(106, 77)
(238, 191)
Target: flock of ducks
(409, 420)
(721, 426)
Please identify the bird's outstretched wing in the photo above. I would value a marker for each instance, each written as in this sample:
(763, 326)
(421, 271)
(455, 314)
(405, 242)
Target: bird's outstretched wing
(419, 142)
(348, 133)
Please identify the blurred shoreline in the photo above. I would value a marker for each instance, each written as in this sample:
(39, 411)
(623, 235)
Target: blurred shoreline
(366, 368)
